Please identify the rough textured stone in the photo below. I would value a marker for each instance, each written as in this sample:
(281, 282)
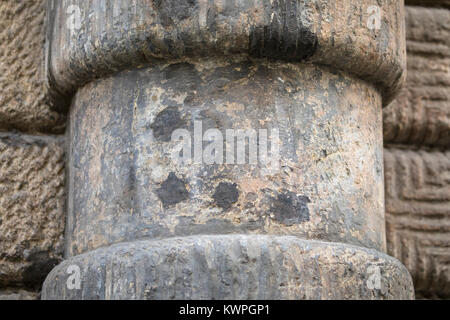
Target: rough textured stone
(23, 98)
(418, 216)
(421, 115)
(231, 267)
(417, 161)
(31, 208)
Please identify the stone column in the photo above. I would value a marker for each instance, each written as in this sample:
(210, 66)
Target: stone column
(166, 203)
(417, 154)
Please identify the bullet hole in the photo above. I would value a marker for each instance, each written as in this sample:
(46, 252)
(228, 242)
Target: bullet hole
(225, 195)
(166, 122)
(172, 191)
(289, 208)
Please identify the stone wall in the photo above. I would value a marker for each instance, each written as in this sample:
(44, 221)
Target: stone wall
(31, 155)
(417, 154)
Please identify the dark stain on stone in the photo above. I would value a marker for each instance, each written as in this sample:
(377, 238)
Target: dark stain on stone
(166, 122)
(40, 265)
(172, 191)
(226, 194)
(285, 37)
(290, 208)
(173, 11)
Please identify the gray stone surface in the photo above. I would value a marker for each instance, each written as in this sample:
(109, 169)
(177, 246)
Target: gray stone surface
(116, 35)
(231, 267)
(125, 184)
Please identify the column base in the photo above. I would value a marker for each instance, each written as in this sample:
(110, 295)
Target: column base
(230, 267)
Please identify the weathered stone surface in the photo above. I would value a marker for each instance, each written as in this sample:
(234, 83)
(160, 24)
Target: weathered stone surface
(314, 71)
(31, 208)
(418, 216)
(231, 267)
(125, 184)
(23, 98)
(116, 35)
(14, 294)
(421, 115)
